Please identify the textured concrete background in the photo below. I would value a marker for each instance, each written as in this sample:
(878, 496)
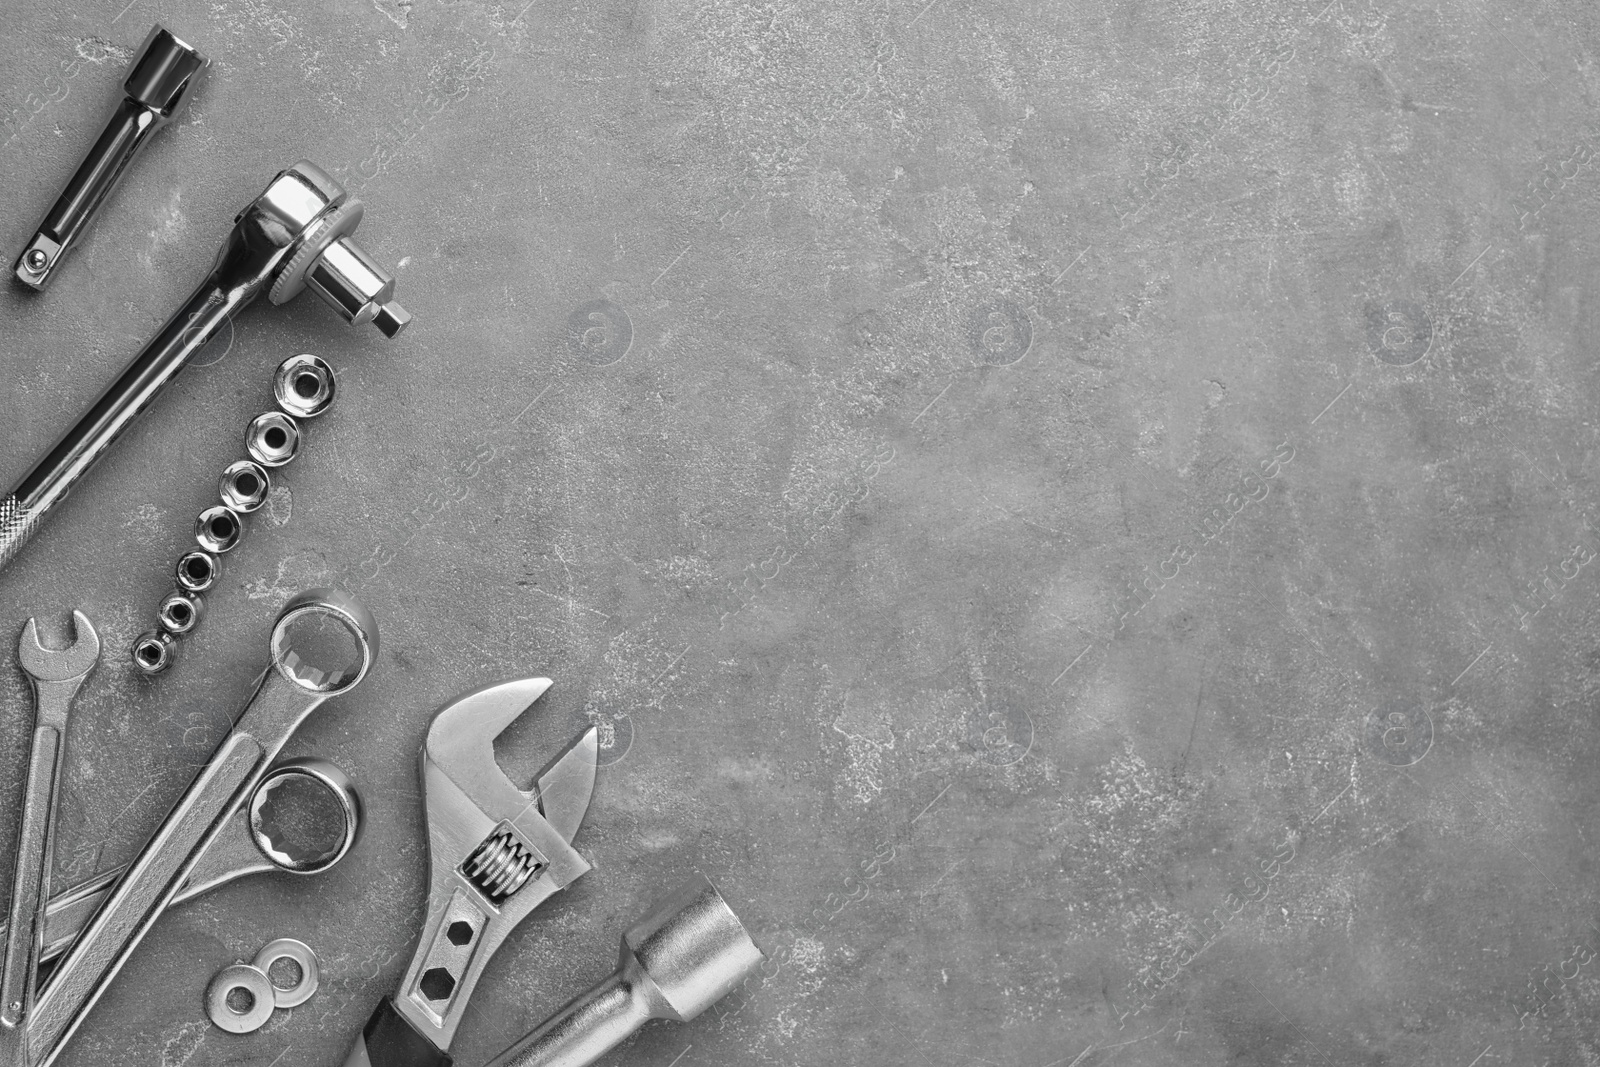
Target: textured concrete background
(1077, 515)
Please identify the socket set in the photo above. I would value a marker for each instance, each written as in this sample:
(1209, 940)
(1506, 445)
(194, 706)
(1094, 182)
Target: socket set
(303, 387)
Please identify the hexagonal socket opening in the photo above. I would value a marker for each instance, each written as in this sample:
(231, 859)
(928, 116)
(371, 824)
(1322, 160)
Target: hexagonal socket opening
(218, 529)
(197, 571)
(244, 486)
(303, 386)
(437, 984)
(272, 439)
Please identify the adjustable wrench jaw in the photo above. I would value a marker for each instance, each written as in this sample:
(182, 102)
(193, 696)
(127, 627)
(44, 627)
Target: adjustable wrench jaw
(494, 856)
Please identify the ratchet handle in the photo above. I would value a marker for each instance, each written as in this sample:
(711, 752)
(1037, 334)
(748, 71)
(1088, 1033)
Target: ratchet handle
(52, 478)
(389, 1040)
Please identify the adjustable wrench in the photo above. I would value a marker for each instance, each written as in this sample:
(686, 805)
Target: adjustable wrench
(56, 675)
(495, 853)
(323, 644)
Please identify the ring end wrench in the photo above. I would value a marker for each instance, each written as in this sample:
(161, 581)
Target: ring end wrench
(159, 81)
(55, 675)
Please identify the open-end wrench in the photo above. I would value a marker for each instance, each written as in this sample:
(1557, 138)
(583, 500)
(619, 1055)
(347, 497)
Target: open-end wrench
(324, 643)
(303, 818)
(495, 853)
(56, 675)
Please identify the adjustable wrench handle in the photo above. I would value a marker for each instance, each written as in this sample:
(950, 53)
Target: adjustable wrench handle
(25, 507)
(28, 884)
(391, 1040)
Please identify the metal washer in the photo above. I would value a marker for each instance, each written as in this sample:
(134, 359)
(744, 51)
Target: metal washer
(254, 981)
(287, 948)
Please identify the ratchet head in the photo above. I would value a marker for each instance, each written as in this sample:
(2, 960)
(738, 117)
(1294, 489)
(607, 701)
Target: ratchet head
(495, 851)
(297, 234)
(59, 664)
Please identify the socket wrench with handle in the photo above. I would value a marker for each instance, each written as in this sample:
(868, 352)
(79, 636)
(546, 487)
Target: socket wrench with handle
(295, 235)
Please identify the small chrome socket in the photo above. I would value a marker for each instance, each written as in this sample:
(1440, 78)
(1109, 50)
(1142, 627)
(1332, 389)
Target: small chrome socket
(218, 529)
(180, 612)
(198, 570)
(272, 439)
(153, 652)
(244, 486)
(303, 386)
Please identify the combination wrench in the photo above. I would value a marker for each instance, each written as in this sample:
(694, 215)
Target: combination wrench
(56, 676)
(323, 644)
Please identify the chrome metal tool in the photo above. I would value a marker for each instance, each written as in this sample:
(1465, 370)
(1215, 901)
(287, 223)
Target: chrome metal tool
(303, 818)
(158, 85)
(323, 644)
(495, 852)
(56, 675)
(294, 235)
(686, 953)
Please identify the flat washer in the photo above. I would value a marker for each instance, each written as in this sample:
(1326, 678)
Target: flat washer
(287, 948)
(252, 980)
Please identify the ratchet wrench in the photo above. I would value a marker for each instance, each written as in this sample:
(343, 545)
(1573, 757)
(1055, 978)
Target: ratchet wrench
(323, 644)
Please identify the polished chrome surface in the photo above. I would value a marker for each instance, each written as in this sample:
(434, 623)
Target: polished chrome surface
(217, 529)
(244, 486)
(323, 643)
(686, 953)
(240, 981)
(260, 253)
(272, 439)
(55, 676)
(304, 386)
(180, 612)
(471, 805)
(158, 84)
(153, 651)
(197, 570)
(287, 948)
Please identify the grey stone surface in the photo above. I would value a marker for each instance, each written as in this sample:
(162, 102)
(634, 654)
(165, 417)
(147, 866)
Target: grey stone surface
(1077, 516)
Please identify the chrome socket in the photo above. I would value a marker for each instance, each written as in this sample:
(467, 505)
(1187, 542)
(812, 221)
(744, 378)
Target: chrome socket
(180, 612)
(154, 651)
(198, 570)
(303, 386)
(272, 439)
(244, 486)
(218, 529)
